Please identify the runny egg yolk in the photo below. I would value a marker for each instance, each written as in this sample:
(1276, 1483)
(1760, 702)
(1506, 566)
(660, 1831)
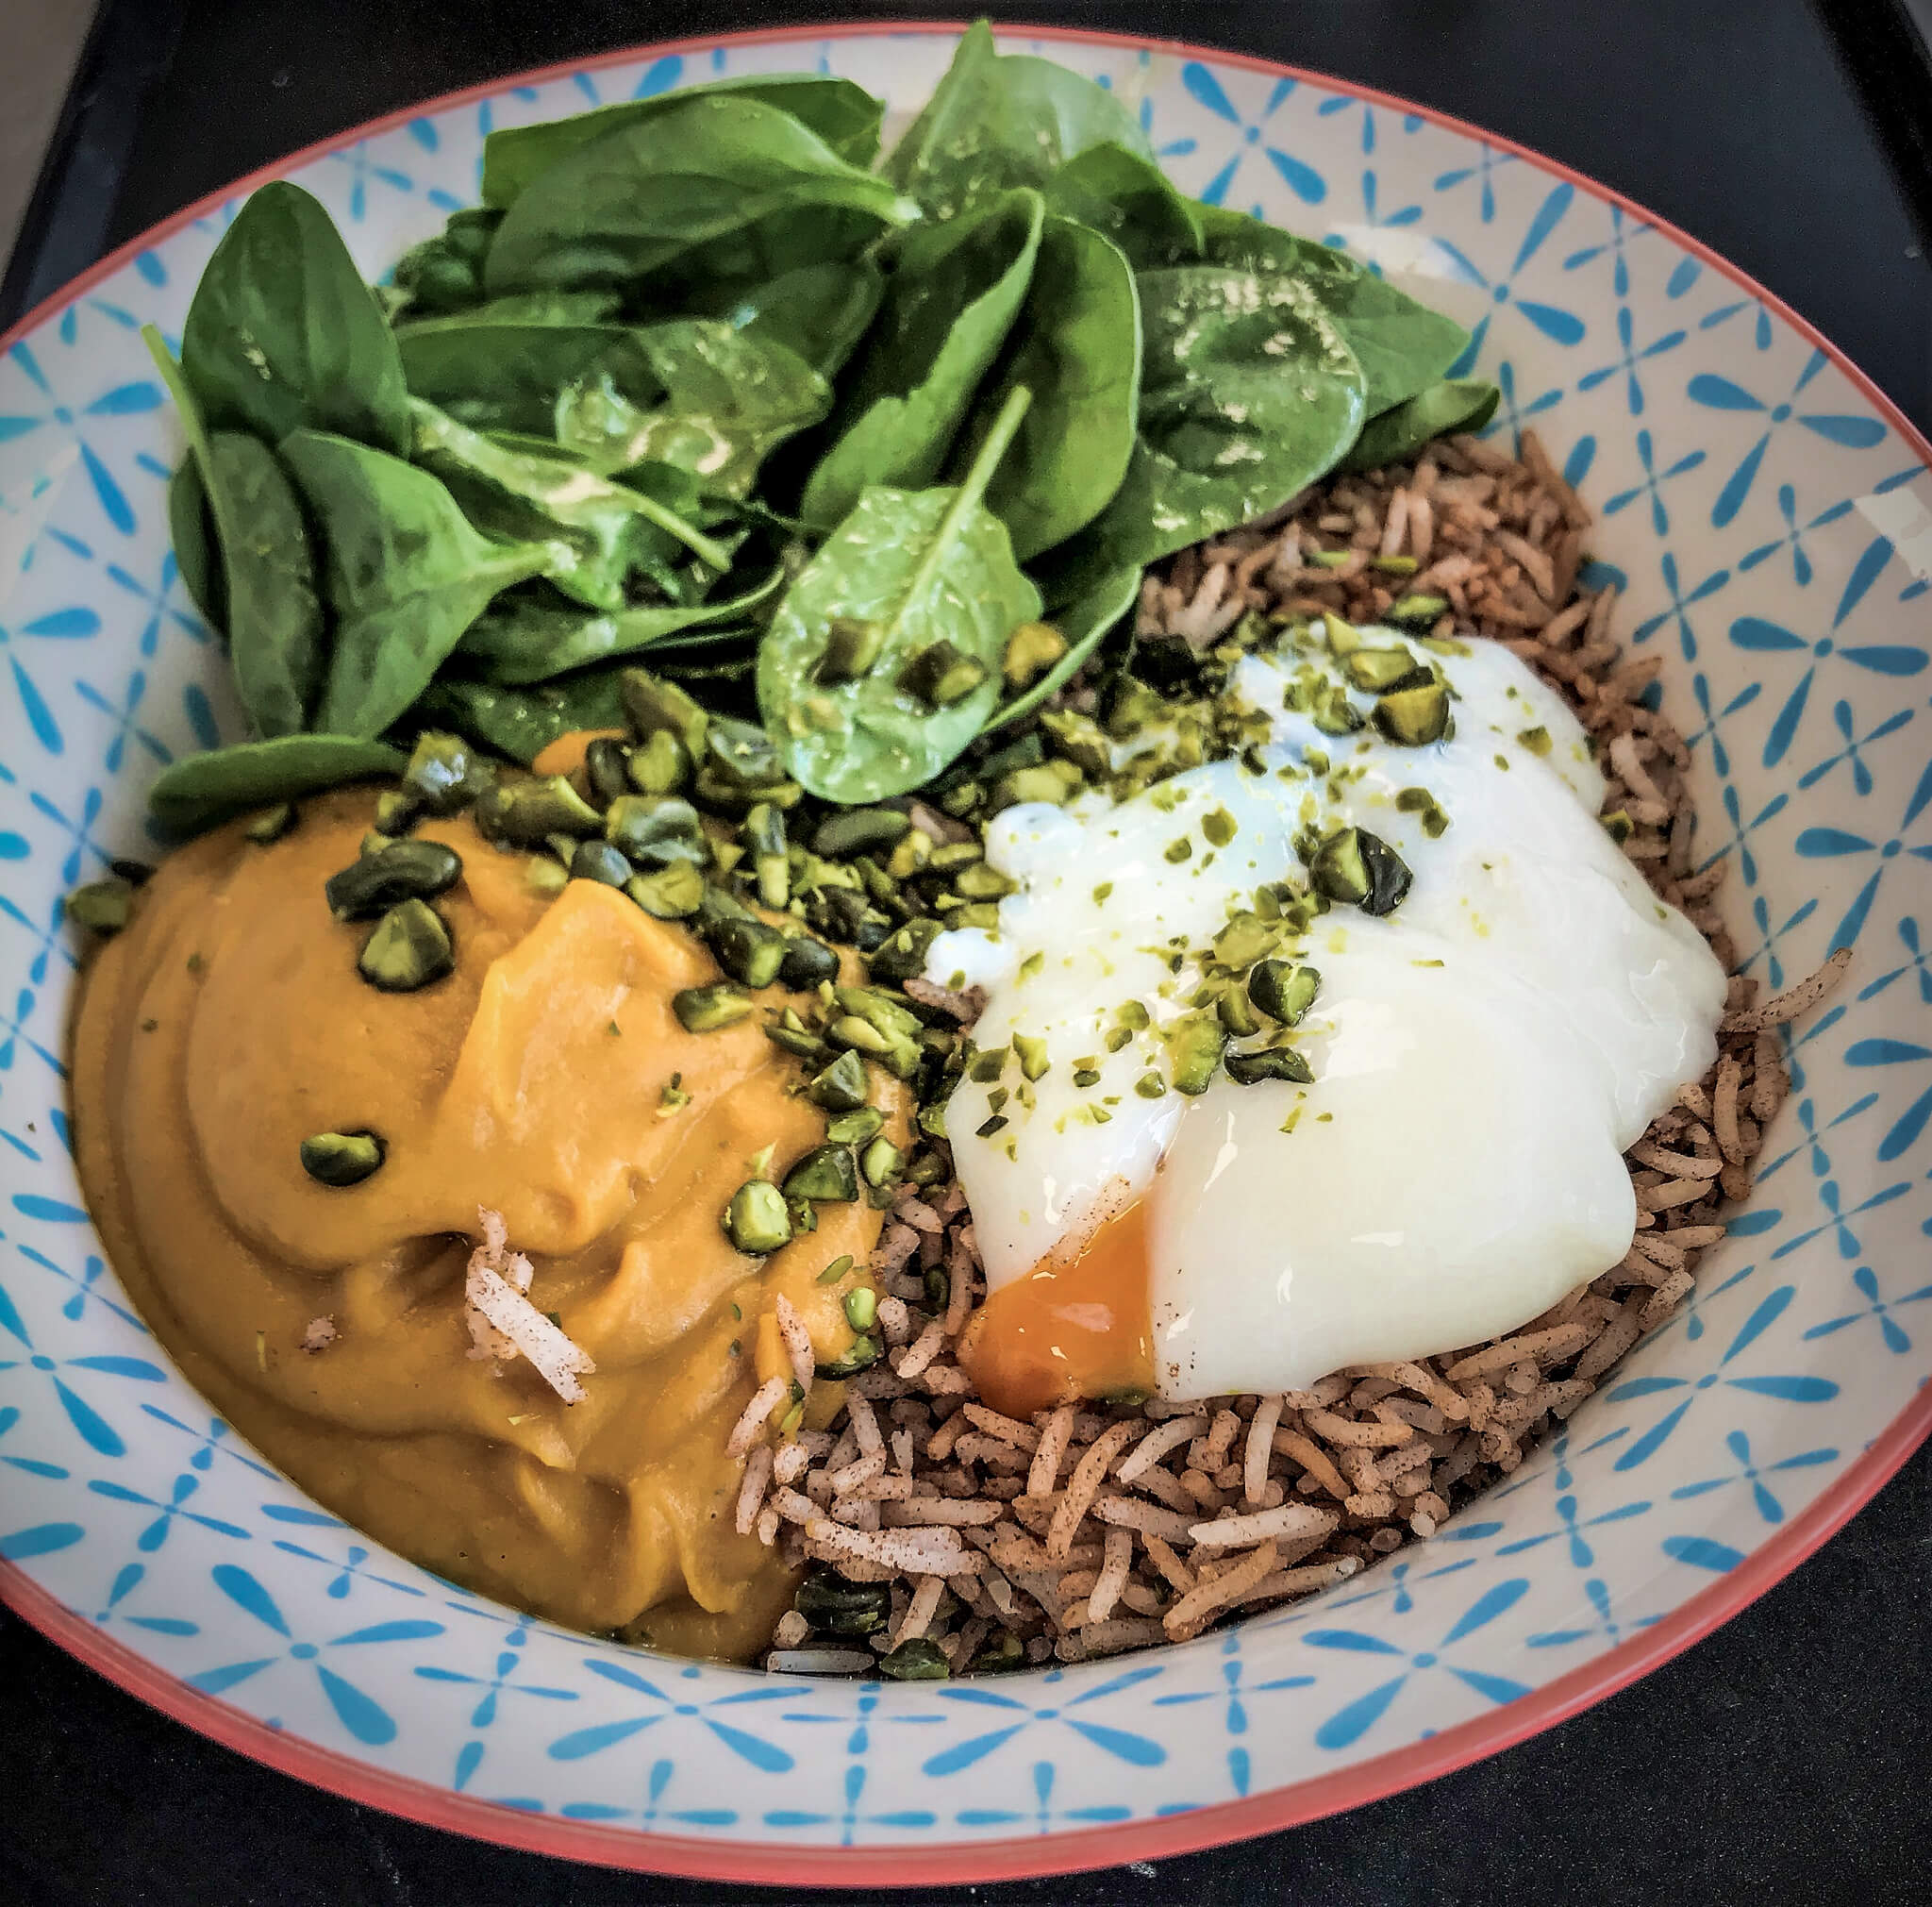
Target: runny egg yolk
(1081, 1326)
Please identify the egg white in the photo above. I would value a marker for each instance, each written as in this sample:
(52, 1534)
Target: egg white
(1482, 1057)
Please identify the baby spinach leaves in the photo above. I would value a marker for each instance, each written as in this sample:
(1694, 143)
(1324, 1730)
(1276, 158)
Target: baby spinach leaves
(505, 372)
(630, 203)
(845, 116)
(1401, 346)
(998, 120)
(191, 530)
(267, 574)
(284, 335)
(820, 311)
(521, 723)
(518, 640)
(200, 790)
(406, 575)
(606, 531)
(1247, 395)
(724, 399)
(929, 579)
(1397, 434)
(1077, 348)
(955, 291)
(1126, 197)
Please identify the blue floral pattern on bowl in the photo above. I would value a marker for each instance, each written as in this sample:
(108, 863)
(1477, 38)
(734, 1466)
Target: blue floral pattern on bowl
(1767, 520)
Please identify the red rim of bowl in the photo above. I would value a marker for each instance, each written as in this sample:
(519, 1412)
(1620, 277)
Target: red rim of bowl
(998, 1860)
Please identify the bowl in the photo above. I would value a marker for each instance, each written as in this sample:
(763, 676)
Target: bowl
(1766, 511)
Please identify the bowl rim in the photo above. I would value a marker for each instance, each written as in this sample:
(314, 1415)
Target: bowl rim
(1084, 1849)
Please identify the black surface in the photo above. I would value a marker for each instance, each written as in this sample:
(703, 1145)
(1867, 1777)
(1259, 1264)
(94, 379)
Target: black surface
(1789, 1758)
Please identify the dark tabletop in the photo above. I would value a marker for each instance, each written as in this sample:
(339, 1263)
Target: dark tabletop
(1787, 1759)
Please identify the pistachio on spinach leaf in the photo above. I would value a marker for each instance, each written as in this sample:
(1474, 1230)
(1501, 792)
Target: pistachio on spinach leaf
(1082, 625)
(276, 641)
(630, 203)
(996, 121)
(927, 567)
(283, 334)
(1248, 394)
(407, 574)
(844, 115)
(1397, 434)
(1076, 346)
(955, 292)
(198, 790)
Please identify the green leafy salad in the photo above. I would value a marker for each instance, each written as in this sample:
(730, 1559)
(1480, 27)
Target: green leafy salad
(862, 458)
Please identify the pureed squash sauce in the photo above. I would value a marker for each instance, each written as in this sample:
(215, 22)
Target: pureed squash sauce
(228, 1023)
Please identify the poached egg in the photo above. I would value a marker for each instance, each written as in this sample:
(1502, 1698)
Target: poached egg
(1479, 1058)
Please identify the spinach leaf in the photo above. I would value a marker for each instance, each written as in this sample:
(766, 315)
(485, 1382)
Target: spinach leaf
(1077, 348)
(925, 567)
(1248, 394)
(191, 530)
(1401, 345)
(1127, 198)
(277, 647)
(616, 210)
(494, 374)
(725, 398)
(200, 790)
(520, 639)
(445, 273)
(998, 120)
(1396, 435)
(406, 575)
(606, 530)
(1084, 624)
(955, 291)
(283, 334)
(276, 641)
(519, 724)
(845, 116)
(821, 311)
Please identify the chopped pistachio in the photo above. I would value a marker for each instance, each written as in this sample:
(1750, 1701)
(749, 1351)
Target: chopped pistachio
(756, 1221)
(1536, 740)
(409, 949)
(1268, 1062)
(272, 824)
(940, 675)
(706, 1010)
(1031, 650)
(1194, 1044)
(861, 1308)
(102, 907)
(1412, 718)
(660, 764)
(1617, 825)
(1418, 609)
(841, 1087)
(856, 1126)
(835, 1270)
(825, 1173)
(342, 1159)
(673, 893)
(1219, 827)
(1032, 1056)
(881, 1161)
(1378, 671)
(1283, 990)
(852, 646)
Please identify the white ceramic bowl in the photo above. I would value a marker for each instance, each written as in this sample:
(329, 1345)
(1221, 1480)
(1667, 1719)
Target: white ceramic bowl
(1767, 511)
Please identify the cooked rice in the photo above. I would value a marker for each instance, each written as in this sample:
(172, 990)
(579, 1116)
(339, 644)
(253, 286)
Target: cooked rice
(1099, 1528)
